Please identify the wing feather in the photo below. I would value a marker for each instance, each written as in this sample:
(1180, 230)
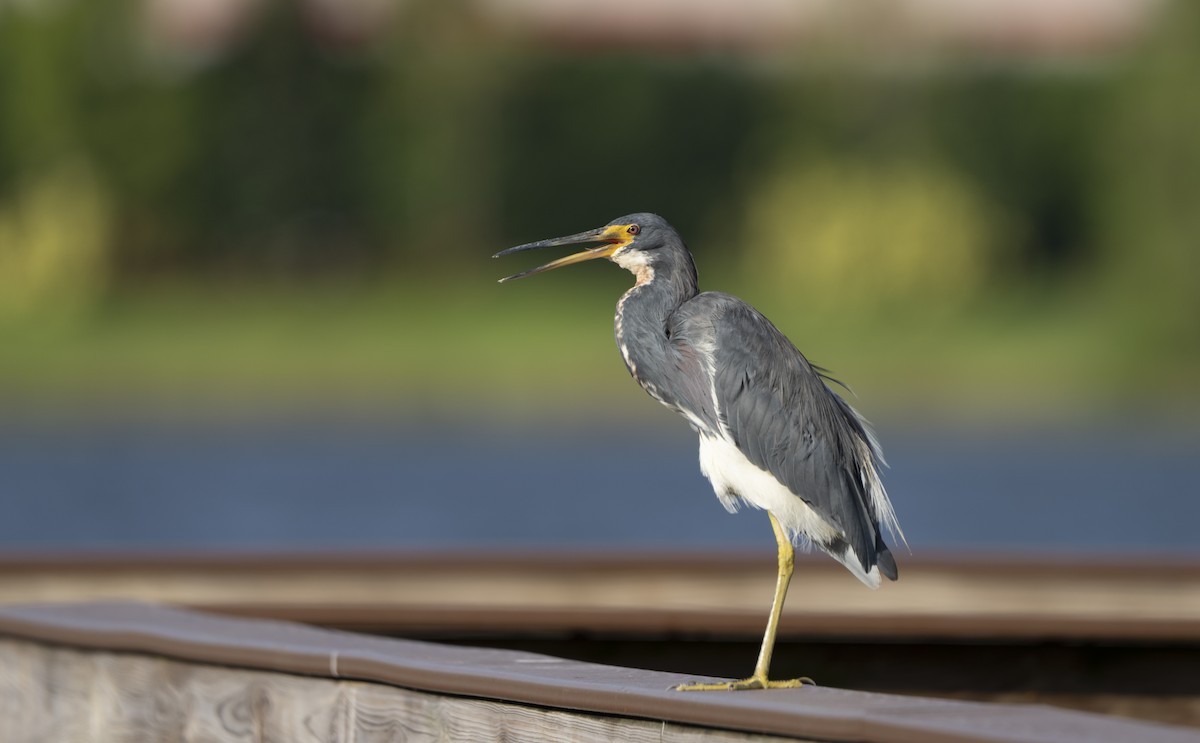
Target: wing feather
(778, 410)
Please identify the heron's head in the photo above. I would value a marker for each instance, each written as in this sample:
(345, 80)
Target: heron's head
(633, 241)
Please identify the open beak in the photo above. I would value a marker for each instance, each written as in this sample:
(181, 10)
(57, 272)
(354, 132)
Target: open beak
(614, 238)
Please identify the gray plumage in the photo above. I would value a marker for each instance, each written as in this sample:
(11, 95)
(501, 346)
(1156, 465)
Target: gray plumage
(728, 370)
(739, 381)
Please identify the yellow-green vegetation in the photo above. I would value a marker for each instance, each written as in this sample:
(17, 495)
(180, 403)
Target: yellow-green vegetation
(546, 348)
(52, 244)
(274, 220)
(865, 235)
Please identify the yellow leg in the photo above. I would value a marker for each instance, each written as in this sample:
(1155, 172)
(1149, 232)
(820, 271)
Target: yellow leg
(787, 563)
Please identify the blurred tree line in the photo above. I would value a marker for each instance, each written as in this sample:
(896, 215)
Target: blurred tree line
(289, 156)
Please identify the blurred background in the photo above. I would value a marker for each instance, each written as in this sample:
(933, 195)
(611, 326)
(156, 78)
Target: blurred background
(246, 298)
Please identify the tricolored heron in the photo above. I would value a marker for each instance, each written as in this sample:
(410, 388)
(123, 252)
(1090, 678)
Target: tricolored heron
(772, 432)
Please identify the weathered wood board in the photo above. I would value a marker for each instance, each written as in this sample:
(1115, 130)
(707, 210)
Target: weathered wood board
(56, 694)
(133, 672)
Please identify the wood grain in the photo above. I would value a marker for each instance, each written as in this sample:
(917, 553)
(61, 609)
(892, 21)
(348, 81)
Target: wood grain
(50, 693)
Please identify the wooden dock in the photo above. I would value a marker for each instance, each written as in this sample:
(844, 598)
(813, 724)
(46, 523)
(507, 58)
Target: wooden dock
(122, 671)
(1113, 637)
(970, 598)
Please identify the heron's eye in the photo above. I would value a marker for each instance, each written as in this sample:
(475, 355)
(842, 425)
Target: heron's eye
(634, 229)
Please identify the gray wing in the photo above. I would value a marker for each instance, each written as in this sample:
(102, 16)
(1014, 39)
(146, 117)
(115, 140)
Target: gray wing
(777, 409)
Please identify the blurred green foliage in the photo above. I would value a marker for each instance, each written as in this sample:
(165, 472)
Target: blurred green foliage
(1047, 219)
(49, 263)
(1148, 190)
(872, 235)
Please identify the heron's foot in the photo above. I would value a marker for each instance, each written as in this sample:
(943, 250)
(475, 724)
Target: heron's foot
(754, 682)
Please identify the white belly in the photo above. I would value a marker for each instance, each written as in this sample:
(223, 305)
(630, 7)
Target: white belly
(731, 472)
(733, 475)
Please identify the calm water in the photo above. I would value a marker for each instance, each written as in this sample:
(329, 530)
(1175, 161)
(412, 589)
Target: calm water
(301, 484)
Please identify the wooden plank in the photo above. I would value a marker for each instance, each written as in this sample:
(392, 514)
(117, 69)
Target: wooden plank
(1033, 599)
(52, 693)
(505, 677)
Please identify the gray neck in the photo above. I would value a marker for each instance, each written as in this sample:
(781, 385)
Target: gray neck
(643, 313)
